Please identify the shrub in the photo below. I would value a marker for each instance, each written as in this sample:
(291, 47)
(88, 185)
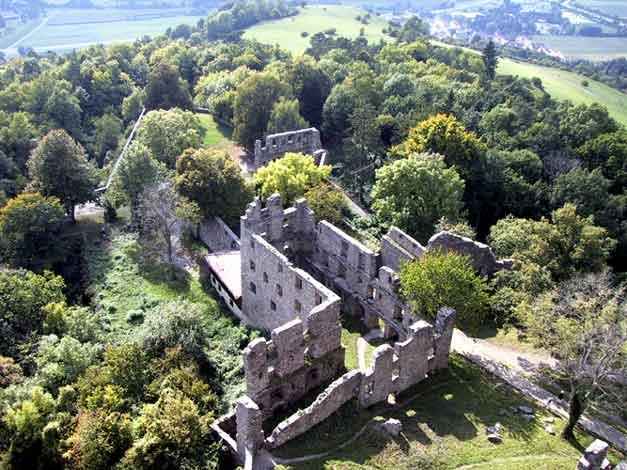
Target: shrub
(441, 279)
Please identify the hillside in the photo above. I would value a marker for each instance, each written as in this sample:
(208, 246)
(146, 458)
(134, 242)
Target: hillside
(313, 19)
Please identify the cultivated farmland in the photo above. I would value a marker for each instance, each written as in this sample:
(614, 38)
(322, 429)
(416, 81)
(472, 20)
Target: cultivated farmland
(67, 29)
(589, 48)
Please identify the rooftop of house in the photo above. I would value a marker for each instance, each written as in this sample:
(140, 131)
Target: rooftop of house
(227, 267)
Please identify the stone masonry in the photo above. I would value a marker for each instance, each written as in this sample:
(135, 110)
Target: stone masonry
(297, 276)
(274, 146)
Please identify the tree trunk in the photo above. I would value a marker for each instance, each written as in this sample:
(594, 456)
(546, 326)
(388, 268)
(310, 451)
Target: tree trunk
(574, 413)
(70, 212)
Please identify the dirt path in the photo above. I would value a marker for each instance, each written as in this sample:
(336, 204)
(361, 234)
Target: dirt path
(524, 362)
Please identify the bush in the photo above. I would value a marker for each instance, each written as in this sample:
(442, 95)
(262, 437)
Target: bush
(441, 279)
(304, 34)
(585, 83)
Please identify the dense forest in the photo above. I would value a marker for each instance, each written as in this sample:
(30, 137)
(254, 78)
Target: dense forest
(424, 137)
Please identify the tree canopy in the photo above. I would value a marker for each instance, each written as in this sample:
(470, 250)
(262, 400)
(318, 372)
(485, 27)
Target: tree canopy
(415, 192)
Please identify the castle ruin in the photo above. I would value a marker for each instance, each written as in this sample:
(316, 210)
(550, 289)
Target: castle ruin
(297, 276)
(274, 146)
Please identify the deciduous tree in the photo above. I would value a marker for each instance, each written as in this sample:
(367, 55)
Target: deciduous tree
(58, 167)
(445, 280)
(291, 176)
(214, 181)
(415, 192)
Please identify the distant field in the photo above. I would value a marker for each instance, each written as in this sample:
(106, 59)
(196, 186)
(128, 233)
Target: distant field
(10, 35)
(565, 85)
(314, 19)
(613, 7)
(71, 29)
(579, 47)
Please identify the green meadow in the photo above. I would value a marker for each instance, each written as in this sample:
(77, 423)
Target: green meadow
(564, 85)
(312, 19)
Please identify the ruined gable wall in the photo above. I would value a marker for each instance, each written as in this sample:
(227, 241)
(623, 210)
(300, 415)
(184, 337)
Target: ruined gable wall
(275, 292)
(397, 248)
(276, 145)
(283, 370)
(481, 255)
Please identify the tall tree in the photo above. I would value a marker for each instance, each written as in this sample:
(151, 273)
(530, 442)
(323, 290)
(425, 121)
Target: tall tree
(136, 172)
(291, 176)
(166, 89)
(214, 181)
(58, 167)
(445, 280)
(413, 193)
(285, 117)
(583, 323)
(254, 101)
(490, 60)
(159, 220)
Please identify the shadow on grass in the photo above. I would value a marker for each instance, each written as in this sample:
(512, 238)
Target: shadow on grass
(457, 403)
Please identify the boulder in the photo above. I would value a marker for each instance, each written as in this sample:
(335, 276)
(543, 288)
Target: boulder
(393, 427)
(495, 438)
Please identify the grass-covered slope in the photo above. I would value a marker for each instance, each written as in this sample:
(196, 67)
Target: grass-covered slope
(564, 85)
(314, 19)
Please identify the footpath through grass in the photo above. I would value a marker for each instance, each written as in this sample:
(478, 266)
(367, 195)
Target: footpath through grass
(315, 19)
(444, 427)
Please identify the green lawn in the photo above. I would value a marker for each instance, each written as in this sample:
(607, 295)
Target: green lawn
(579, 47)
(564, 85)
(215, 134)
(314, 19)
(444, 427)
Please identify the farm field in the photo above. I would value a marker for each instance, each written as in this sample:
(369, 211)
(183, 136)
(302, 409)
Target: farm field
(314, 19)
(564, 85)
(9, 35)
(579, 47)
(69, 29)
(612, 7)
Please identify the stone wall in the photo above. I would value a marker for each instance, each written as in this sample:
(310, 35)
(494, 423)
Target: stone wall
(328, 402)
(274, 146)
(275, 291)
(395, 369)
(397, 248)
(283, 370)
(217, 236)
(343, 260)
(481, 255)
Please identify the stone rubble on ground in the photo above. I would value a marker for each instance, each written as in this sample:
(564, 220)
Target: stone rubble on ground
(392, 426)
(594, 457)
(494, 433)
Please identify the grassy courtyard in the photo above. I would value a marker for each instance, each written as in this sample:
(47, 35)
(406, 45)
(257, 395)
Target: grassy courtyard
(216, 134)
(444, 427)
(314, 19)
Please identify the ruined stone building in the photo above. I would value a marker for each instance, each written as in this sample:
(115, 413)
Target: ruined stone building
(297, 276)
(274, 146)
